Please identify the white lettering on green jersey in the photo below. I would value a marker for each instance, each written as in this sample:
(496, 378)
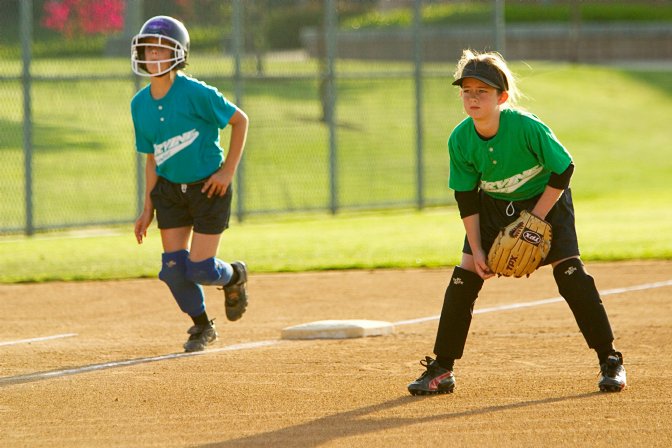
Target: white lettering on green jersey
(512, 183)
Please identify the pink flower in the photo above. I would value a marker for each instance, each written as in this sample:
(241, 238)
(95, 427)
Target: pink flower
(102, 16)
(84, 16)
(56, 15)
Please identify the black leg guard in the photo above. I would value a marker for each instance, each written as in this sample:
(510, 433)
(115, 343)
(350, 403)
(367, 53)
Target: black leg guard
(578, 289)
(458, 307)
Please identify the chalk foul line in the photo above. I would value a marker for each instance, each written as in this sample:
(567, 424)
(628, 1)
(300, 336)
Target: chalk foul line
(513, 306)
(43, 338)
(19, 379)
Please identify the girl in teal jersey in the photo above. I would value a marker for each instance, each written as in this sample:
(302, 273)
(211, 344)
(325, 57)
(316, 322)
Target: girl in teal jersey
(503, 161)
(188, 179)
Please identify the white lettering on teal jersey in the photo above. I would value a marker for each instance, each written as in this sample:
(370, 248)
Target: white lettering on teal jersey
(512, 183)
(165, 150)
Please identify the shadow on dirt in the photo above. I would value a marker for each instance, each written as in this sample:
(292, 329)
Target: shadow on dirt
(347, 424)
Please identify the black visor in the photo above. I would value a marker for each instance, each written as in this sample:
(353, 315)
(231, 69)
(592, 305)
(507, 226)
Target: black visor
(482, 71)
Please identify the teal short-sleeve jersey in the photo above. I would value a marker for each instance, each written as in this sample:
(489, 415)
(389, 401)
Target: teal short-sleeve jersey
(182, 128)
(514, 165)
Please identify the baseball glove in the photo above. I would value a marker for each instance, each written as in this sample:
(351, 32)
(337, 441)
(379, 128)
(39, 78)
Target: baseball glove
(521, 246)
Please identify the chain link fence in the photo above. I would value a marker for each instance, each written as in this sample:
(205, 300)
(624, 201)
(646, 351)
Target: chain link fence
(342, 116)
(325, 134)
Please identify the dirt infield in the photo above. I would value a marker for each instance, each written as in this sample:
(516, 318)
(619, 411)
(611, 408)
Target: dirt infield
(113, 374)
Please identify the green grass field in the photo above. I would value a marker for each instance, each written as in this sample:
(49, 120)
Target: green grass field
(613, 120)
(608, 230)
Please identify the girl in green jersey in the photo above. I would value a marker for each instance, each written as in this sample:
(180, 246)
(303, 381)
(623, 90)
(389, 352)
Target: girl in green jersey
(503, 161)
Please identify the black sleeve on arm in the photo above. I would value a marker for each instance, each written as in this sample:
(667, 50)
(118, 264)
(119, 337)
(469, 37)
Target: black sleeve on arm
(561, 181)
(467, 202)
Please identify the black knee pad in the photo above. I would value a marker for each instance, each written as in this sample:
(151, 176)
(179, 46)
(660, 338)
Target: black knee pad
(579, 290)
(458, 307)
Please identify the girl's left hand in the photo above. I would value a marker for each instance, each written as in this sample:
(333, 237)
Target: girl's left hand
(217, 184)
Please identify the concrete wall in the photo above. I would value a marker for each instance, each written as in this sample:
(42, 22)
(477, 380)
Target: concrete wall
(588, 43)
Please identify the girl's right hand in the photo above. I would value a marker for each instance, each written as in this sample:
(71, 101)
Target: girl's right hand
(142, 224)
(481, 265)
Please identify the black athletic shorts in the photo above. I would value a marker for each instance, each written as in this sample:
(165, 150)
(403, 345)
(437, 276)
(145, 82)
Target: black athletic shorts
(493, 216)
(183, 205)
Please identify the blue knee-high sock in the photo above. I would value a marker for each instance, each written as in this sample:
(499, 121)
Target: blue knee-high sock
(211, 271)
(188, 295)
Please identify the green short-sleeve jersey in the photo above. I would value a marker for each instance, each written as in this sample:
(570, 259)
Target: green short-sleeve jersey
(182, 128)
(514, 165)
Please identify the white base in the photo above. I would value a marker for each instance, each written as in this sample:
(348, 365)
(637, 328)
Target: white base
(338, 329)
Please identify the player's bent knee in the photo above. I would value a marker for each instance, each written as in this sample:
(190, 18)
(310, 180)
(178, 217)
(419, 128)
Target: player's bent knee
(463, 287)
(573, 281)
(210, 271)
(187, 294)
(173, 267)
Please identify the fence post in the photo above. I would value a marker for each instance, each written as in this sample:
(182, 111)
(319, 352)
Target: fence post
(237, 43)
(132, 24)
(500, 27)
(417, 74)
(26, 55)
(330, 37)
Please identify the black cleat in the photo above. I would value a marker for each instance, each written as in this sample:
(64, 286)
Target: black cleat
(235, 295)
(200, 336)
(435, 380)
(612, 374)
